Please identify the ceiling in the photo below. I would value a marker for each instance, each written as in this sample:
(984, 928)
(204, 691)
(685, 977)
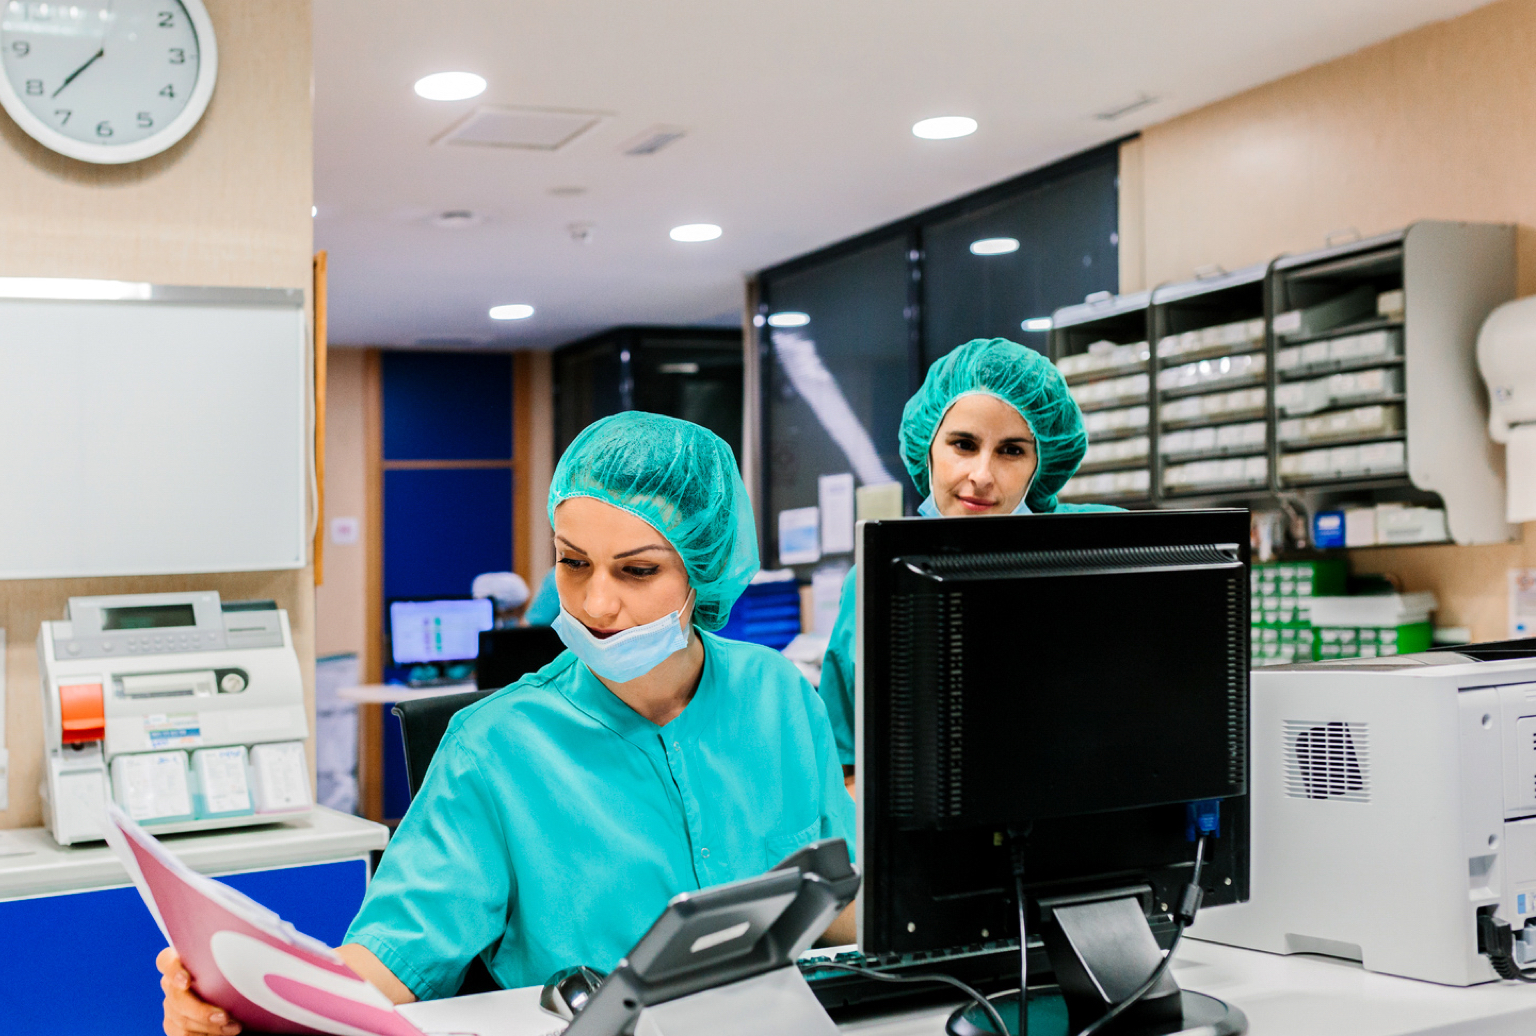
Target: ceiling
(798, 116)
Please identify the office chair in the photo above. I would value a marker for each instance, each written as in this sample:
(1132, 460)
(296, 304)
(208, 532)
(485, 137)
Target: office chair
(422, 725)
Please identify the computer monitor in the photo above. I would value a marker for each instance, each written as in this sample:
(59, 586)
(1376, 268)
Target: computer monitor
(507, 655)
(1063, 686)
(422, 632)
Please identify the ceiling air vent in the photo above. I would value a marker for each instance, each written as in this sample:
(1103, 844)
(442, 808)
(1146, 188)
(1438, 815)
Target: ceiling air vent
(531, 129)
(1327, 760)
(653, 140)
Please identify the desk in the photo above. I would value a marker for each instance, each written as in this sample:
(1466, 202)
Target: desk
(1282, 996)
(78, 946)
(384, 792)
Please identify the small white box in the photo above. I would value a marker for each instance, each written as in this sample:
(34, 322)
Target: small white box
(281, 777)
(151, 787)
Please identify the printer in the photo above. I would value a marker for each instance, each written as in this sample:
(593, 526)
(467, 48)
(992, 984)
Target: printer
(1393, 812)
(188, 711)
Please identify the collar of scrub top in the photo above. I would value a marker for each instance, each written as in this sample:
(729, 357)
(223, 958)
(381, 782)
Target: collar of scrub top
(929, 509)
(592, 697)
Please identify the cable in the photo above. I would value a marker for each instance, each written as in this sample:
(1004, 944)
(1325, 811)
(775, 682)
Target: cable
(949, 980)
(1496, 939)
(1016, 837)
(1189, 903)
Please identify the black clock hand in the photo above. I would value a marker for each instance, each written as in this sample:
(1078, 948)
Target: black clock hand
(77, 71)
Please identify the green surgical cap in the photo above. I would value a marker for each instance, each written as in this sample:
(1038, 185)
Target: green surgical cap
(1019, 377)
(681, 480)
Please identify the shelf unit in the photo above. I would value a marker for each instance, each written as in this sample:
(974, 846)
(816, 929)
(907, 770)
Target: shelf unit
(1101, 348)
(1340, 377)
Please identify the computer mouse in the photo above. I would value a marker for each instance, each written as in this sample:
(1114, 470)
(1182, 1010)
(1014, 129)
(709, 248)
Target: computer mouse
(569, 989)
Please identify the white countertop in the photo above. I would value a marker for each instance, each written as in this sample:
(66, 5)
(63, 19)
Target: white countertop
(324, 835)
(1293, 995)
(389, 693)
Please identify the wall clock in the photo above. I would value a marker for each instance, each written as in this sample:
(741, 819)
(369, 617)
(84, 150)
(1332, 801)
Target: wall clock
(107, 81)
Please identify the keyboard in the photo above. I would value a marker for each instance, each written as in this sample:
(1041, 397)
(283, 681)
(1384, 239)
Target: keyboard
(990, 968)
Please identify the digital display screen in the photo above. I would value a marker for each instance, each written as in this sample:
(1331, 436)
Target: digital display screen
(148, 617)
(437, 631)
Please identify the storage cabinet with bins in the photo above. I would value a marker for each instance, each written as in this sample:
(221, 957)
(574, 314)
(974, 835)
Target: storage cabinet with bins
(1336, 378)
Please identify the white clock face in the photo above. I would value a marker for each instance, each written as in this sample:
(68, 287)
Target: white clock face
(108, 80)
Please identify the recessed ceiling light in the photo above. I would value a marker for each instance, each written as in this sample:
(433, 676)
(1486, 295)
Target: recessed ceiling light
(695, 232)
(314, 210)
(1037, 324)
(944, 127)
(995, 246)
(788, 318)
(516, 311)
(450, 86)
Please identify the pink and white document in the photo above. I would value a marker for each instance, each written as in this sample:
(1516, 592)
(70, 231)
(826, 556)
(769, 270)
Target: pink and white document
(243, 957)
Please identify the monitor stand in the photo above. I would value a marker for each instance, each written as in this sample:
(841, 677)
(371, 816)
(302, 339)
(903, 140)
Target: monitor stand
(1101, 950)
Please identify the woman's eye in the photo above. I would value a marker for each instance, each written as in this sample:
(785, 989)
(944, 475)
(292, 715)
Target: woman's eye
(963, 445)
(642, 570)
(573, 563)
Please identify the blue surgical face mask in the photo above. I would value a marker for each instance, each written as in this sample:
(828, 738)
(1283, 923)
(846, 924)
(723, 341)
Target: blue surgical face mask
(929, 509)
(628, 654)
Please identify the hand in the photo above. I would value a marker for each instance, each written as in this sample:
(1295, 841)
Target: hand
(185, 1013)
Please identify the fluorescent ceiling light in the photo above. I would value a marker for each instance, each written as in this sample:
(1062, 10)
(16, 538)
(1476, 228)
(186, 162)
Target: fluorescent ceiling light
(314, 210)
(516, 311)
(944, 127)
(450, 86)
(995, 246)
(788, 318)
(1037, 324)
(72, 288)
(695, 232)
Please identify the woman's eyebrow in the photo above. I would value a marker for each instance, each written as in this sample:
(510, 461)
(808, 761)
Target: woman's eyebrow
(568, 543)
(642, 550)
(1020, 438)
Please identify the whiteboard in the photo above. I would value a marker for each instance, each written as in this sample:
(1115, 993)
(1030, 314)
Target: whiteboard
(151, 430)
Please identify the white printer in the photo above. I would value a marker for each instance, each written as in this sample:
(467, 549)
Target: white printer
(189, 712)
(1393, 813)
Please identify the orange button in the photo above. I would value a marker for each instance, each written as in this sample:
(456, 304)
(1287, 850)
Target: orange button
(83, 712)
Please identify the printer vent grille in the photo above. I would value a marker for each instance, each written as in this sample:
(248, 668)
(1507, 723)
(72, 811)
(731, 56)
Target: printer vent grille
(1327, 760)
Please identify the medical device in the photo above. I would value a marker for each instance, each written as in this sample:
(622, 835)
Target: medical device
(1015, 744)
(188, 711)
(1394, 813)
(1506, 356)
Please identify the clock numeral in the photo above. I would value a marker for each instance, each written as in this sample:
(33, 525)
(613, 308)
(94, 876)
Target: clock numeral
(169, 91)
(178, 56)
(62, 114)
(21, 48)
(167, 19)
(34, 87)
(103, 129)
(145, 121)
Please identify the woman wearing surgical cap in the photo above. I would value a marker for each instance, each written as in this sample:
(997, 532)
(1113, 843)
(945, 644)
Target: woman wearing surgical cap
(560, 814)
(993, 430)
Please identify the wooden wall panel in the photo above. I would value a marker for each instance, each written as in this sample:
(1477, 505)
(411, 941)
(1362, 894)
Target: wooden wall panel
(228, 205)
(1439, 123)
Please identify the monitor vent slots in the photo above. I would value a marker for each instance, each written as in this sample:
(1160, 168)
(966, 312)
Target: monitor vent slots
(1084, 561)
(927, 679)
(1237, 682)
(1327, 760)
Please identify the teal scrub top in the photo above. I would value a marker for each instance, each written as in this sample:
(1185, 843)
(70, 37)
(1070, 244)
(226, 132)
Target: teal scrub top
(555, 822)
(836, 686)
(541, 611)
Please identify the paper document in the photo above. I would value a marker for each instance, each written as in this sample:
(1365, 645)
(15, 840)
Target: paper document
(834, 497)
(799, 536)
(242, 957)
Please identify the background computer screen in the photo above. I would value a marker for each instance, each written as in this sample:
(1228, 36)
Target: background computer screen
(437, 631)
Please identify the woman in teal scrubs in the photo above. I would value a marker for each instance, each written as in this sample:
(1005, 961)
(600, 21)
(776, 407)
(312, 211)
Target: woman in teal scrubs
(993, 430)
(561, 813)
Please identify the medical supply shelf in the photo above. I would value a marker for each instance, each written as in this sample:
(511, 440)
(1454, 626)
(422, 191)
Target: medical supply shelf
(1340, 377)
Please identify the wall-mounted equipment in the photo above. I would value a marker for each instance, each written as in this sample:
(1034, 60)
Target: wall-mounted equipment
(107, 82)
(187, 710)
(1506, 356)
(150, 429)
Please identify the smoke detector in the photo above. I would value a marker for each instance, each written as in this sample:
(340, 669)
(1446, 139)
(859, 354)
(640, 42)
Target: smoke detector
(457, 219)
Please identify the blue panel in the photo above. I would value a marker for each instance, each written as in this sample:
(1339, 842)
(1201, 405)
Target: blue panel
(447, 406)
(444, 527)
(85, 963)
